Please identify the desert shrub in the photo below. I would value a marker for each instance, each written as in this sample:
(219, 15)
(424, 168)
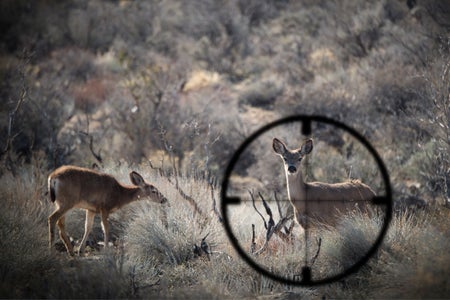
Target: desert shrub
(345, 245)
(261, 94)
(258, 12)
(412, 252)
(437, 81)
(149, 239)
(99, 278)
(405, 265)
(358, 34)
(24, 256)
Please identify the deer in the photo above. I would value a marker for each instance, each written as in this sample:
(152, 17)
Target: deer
(97, 193)
(318, 203)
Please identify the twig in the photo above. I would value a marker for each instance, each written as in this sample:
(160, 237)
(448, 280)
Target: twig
(214, 207)
(187, 198)
(319, 242)
(12, 114)
(270, 226)
(169, 150)
(97, 155)
(271, 222)
(288, 230)
(253, 244)
(254, 206)
(203, 249)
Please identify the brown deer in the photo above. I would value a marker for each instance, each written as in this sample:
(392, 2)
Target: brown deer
(75, 187)
(318, 202)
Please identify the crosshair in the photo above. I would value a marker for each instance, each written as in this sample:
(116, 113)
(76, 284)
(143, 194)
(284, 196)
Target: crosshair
(384, 200)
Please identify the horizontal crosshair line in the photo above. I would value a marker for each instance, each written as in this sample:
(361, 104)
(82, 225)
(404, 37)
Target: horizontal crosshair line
(377, 200)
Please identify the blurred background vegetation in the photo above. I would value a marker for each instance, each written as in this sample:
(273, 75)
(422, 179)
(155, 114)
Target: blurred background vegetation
(182, 83)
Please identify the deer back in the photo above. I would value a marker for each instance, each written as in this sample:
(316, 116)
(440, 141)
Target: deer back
(325, 202)
(85, 188)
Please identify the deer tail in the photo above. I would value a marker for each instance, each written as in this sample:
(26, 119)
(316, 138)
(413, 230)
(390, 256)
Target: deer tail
(51, 189)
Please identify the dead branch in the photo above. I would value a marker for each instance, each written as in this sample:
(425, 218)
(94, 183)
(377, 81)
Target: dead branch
(253, 244)
(10, 137)
(287, 230)
(214, 207)
(185, 196)
(203, 249)
(270, 226)
(188, 198)
(254, 206)
(271, 222)
(96, 155)
(319, 244)
(12, 115)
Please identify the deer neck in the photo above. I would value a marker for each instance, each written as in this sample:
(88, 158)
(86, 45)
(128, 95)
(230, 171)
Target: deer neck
(128, 194)
(297, 196)
(296, 186)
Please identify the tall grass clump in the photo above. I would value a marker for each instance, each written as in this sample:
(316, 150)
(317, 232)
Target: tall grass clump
(98, 277)
(411, 262)
(149, 239)
(159, 240)
(24, 257)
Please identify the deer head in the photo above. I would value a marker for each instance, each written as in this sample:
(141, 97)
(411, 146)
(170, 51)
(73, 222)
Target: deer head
(292, 158)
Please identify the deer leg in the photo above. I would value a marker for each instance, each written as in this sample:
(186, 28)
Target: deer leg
(87, 229)
(105, 227)
(63, 235)
(54, 217)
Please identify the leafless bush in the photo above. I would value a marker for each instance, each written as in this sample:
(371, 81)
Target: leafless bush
(437, 95)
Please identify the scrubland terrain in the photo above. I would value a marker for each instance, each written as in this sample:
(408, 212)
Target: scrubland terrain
(171, 89)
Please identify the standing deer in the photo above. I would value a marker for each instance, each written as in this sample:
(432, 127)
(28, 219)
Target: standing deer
(318, 202)
(75, 187)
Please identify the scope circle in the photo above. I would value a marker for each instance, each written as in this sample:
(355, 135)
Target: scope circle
(306, 120)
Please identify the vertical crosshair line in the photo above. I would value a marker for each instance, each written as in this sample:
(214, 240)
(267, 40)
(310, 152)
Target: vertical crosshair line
(306, 130)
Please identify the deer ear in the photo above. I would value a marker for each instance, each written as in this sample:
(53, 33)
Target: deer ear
(137, 179)
(307, 147)
(278, 146)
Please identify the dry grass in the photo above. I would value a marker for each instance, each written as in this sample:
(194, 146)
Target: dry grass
(153, 253)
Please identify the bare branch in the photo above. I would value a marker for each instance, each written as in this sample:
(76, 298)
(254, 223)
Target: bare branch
(288, 230)
(268, 211)
(253, 244)
(214, 208)
(12, 115)
(169, 150)
(254, 206)
(319, 244)
(270, 226)
(97, 155)
(204, 248)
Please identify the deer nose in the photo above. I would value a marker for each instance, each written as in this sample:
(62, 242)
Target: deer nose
(292, 169)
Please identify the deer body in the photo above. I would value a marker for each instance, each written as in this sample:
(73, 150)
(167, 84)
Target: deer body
(318, 202)
(97, 193)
